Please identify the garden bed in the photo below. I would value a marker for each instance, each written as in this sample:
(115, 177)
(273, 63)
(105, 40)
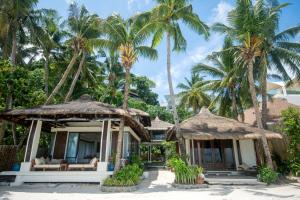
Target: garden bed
(117, 189)
(189, 186)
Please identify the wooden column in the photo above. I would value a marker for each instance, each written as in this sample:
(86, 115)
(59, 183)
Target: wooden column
(33, 140)
(235, 152)
(193, 152)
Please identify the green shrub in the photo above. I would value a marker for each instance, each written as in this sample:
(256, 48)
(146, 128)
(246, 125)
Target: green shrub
(291, 127)
(127, 176)
(267, 175)
(184, 174)
(135, 159)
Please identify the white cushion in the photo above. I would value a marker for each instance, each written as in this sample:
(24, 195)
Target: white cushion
(81, 166)
(93, 161)
(55, 161)
(47, 166)
(40, 161)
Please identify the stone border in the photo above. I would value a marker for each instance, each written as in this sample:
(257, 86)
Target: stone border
(194, 186)
(118, 189)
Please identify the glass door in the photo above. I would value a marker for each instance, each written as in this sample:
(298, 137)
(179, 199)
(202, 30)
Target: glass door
(72, 148)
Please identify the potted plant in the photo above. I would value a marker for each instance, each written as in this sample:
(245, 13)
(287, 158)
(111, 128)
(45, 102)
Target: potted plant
(19, 158)
(111, 164)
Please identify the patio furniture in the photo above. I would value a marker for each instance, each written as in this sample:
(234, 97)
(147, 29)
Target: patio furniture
(91, 165)
(46, 164)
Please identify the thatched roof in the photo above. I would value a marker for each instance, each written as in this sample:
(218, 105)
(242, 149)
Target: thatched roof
(83, 108)
(207, 126)
(275, 107)
(158, 124)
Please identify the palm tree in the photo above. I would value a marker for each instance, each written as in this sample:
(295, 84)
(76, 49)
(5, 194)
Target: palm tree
(166, 18)
(88, 29)
(228, 80)
(193, 94)
(278, 51)
(48, 39)
(247, 24)
(16, 18)
(80, 24)
(127, 38)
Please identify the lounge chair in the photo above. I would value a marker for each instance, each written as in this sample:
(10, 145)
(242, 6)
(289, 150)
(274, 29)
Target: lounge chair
(46, 164)
(92, 165)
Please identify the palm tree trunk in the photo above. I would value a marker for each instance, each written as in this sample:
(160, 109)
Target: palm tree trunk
(172, 98)
(264, 109)
(234, 104)
(46, 76)
(2, 130)
(14, 48)
(257, 114)
(63, 78)
(122, 123)
(71, 89)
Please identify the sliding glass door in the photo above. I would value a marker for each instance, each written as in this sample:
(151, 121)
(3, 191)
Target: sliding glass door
(71, 154)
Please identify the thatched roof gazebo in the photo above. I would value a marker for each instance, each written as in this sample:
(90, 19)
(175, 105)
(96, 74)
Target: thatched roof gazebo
(158, 124)
(81, 110)
(207, 126)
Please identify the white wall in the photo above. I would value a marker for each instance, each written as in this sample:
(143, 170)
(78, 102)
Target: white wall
(248, 152)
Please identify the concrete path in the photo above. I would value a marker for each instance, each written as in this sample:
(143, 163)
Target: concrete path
(156, 187)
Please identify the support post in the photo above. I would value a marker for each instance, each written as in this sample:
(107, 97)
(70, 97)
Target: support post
(235, 151)
(193, 152)
(188, 149)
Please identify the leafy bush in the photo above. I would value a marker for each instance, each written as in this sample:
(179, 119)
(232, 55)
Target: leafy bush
(127, 176)
(135, 159)
(184, 174)
(267, 175)
(291, 127)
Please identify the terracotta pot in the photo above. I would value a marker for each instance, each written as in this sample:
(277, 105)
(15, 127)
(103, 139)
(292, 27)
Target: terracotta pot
(199, 180)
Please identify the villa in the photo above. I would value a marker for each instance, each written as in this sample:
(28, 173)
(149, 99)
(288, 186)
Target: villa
(84, 140)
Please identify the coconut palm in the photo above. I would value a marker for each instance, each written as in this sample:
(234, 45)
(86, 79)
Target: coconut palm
(228, 80)
(166, 19)
(48, 39)
(247, 24)
(82, 31)
(193, 93)
(127, 38)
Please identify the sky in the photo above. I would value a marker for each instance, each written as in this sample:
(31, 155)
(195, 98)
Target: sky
(209, 11)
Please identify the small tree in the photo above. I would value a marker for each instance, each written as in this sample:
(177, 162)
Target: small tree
(291, 127)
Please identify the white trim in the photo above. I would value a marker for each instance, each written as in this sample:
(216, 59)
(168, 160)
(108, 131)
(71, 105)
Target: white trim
(66, 146)
(128, 129)
(53, 145)
(36, 140)
(78, 129)
(28, 141)
(193, 152)
(102, 133)
(108, 141)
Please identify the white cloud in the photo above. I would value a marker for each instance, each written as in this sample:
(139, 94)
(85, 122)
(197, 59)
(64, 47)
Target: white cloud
(220, 12)
(137, 4)
(70, 1)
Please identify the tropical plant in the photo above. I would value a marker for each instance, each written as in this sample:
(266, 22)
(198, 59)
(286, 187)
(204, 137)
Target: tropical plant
(291, 127)
(127, 176)
(193, 94)
(184, 174)
(82, 31)
(228, 85)
(165, 19)
(247, 24)
(267, 175)
(127, 38)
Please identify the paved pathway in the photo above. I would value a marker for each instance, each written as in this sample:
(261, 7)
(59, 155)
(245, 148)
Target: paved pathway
(156, 187)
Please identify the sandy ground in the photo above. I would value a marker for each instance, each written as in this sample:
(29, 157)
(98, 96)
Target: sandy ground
(157, 187)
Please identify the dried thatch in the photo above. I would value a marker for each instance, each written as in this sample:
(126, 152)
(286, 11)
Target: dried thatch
(275, 107)
(207, 126)
(78, 110)
(158, 124)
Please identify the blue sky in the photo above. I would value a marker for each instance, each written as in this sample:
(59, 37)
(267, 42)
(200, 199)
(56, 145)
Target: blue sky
(210, 11)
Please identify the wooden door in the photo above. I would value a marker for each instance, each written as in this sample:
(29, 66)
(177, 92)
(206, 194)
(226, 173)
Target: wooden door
(60, 145)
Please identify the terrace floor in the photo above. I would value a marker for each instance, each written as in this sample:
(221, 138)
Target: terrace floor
(157, 186)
